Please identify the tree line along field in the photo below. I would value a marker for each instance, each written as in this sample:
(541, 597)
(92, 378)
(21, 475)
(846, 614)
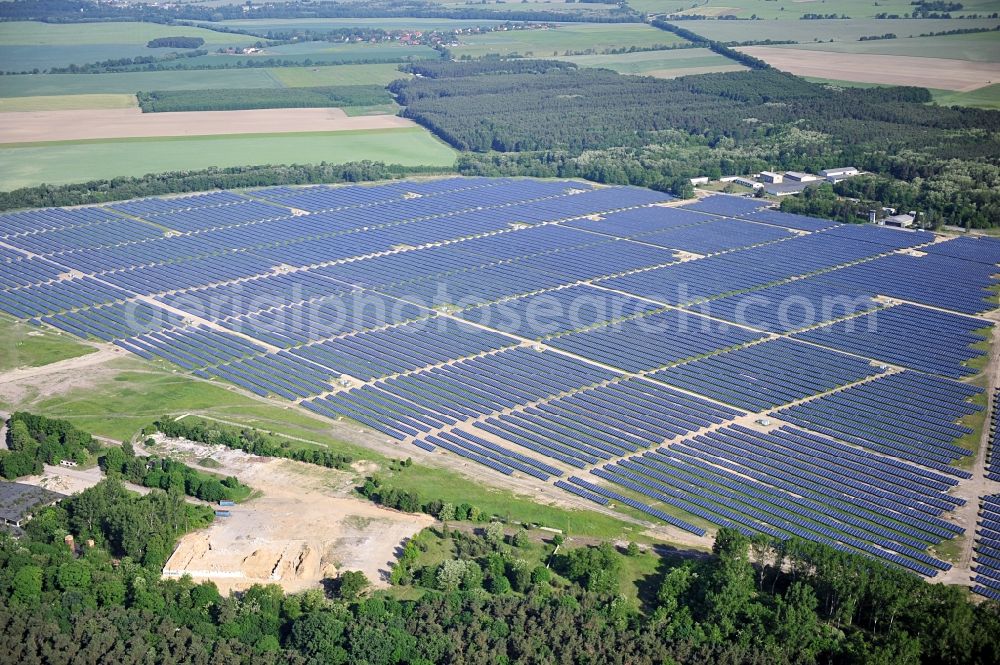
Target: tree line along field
(228, 99)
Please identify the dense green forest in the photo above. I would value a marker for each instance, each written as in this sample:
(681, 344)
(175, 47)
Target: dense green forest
(807, 604)
(269, 98)
(627, 129)
(35, 440)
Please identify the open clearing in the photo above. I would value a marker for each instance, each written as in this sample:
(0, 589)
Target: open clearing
(41, 126)
(940, 73)
(303, 527)
(60, 162)
(661, 64)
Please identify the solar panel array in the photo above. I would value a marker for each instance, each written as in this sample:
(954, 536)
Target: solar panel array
(987, 549)
(550, 328)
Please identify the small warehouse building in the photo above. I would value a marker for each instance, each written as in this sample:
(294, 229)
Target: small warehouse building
(18, 501)
(700, 180)
(798, 176)
(771, 177)
(838, 174)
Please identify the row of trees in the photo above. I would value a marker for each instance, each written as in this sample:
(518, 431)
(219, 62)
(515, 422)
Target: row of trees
(169, 474)
(248, 440)
(175, 42)
(34, 440)
(160, 101)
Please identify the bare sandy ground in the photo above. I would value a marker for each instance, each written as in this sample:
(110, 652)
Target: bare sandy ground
(302, 528)
(33, 126)
(941, 73)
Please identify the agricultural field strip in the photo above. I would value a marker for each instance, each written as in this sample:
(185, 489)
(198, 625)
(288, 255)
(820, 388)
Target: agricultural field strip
(417, 371)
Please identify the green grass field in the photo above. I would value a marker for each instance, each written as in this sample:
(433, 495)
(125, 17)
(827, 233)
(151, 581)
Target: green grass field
(662, 64)
(67, 102)
(825, 30)
(987, 97)
(51, 85)
(22, 345)
(304, 77)
(27, 45)
(983, 98)
(24, 165)
(776, 9)
(575, 38)
(977, 47)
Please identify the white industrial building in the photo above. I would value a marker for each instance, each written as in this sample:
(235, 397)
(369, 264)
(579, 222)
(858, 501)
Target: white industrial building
(798, 176)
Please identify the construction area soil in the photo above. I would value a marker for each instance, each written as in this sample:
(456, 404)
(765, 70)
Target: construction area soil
(78, 125)
(300, 527)
(939, 73)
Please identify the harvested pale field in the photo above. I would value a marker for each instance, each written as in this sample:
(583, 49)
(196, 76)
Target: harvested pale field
(940, 73)
(303, 527)
(78, 125)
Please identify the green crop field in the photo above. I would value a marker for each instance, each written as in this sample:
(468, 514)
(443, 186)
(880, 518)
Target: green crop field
(662, 64)
(307, 77)
(977, 47)
(66, 102)
(29, 45)
(825, 30)
(983, 98)
(23, 165)
(575, 38)
(34, 85)
(131, 82)
(777, 9)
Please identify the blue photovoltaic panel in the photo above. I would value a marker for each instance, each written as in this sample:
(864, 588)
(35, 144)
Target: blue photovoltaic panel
(652, 341)
(979, 249)
(910, 415)
(766, 375)
(788, 220)
(726, 205)
(908, 335)
(561, 310)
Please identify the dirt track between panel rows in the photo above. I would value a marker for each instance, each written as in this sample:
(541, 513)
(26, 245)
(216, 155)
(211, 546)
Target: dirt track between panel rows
(39, 126)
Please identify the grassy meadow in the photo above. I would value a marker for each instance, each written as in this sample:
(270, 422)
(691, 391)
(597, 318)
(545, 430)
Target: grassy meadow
(22, 345)
(28, 164)
(976, 47)
(28, 45)
(573, 38)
